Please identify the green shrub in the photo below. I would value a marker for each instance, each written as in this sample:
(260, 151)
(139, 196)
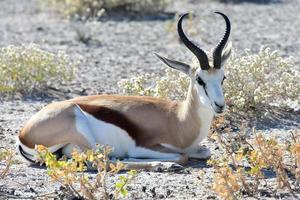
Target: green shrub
(25, 68)
(253, 82)
(93, 8)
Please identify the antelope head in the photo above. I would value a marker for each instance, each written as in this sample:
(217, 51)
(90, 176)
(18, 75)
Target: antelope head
(207, 80)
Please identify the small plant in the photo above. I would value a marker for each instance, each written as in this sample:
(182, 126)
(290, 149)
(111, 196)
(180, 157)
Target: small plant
(253, 82)
(294, 149)
(6, 160)
(26, 68)
(86, 9)
(69, 173)
(240, 171)
(226, 183)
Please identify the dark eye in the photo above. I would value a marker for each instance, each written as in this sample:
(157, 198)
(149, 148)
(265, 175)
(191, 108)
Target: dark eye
(223, 80)
(200, 81)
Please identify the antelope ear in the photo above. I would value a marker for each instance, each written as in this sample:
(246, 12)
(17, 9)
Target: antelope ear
(185, 68)
(226, 53)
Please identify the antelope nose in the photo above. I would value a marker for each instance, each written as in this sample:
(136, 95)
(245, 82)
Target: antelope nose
(221, 107)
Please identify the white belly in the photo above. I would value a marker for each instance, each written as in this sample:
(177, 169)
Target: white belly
(100, 132)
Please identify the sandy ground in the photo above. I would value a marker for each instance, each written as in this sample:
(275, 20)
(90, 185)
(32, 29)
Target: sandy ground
(121, 47)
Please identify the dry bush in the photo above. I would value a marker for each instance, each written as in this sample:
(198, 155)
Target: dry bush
(85, 9)
(6, 160)
(254, 82)
(26, 68)
(77, 184)
(240, 170)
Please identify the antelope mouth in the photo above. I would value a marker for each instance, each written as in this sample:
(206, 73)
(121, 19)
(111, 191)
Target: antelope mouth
(218, 111)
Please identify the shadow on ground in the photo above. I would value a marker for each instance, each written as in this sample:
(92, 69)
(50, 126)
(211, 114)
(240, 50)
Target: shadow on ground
(263, 2)
(122, 15)
(275, 118)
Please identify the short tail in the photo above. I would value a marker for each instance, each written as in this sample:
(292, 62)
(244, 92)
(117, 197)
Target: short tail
(30, 154)
(27, 153)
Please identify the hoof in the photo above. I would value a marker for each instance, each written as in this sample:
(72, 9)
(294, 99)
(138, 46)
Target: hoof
(183, 159)
(201, 154)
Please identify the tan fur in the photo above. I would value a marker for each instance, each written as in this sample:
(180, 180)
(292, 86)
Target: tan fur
(157, 120)
(54, 124)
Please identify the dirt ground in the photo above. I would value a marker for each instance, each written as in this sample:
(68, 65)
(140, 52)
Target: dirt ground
(121, 47)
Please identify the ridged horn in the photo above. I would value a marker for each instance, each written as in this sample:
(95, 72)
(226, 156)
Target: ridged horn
(217, 53)
(199, 53)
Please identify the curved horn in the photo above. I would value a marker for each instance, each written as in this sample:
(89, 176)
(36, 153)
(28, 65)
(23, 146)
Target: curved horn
(199, 53)
(217, 53)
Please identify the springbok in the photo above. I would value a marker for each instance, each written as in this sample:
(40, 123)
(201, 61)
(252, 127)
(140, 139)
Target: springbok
(137, 127)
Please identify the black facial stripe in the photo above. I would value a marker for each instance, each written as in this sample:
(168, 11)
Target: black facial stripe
(205, 92)
(208, 96)
(200, 81)
(223, 80)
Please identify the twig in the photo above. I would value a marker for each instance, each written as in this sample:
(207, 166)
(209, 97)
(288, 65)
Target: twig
(105, 159)
(294, 137)
(75, 191)
(5, 171)
(31, 197)
(245, 141)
